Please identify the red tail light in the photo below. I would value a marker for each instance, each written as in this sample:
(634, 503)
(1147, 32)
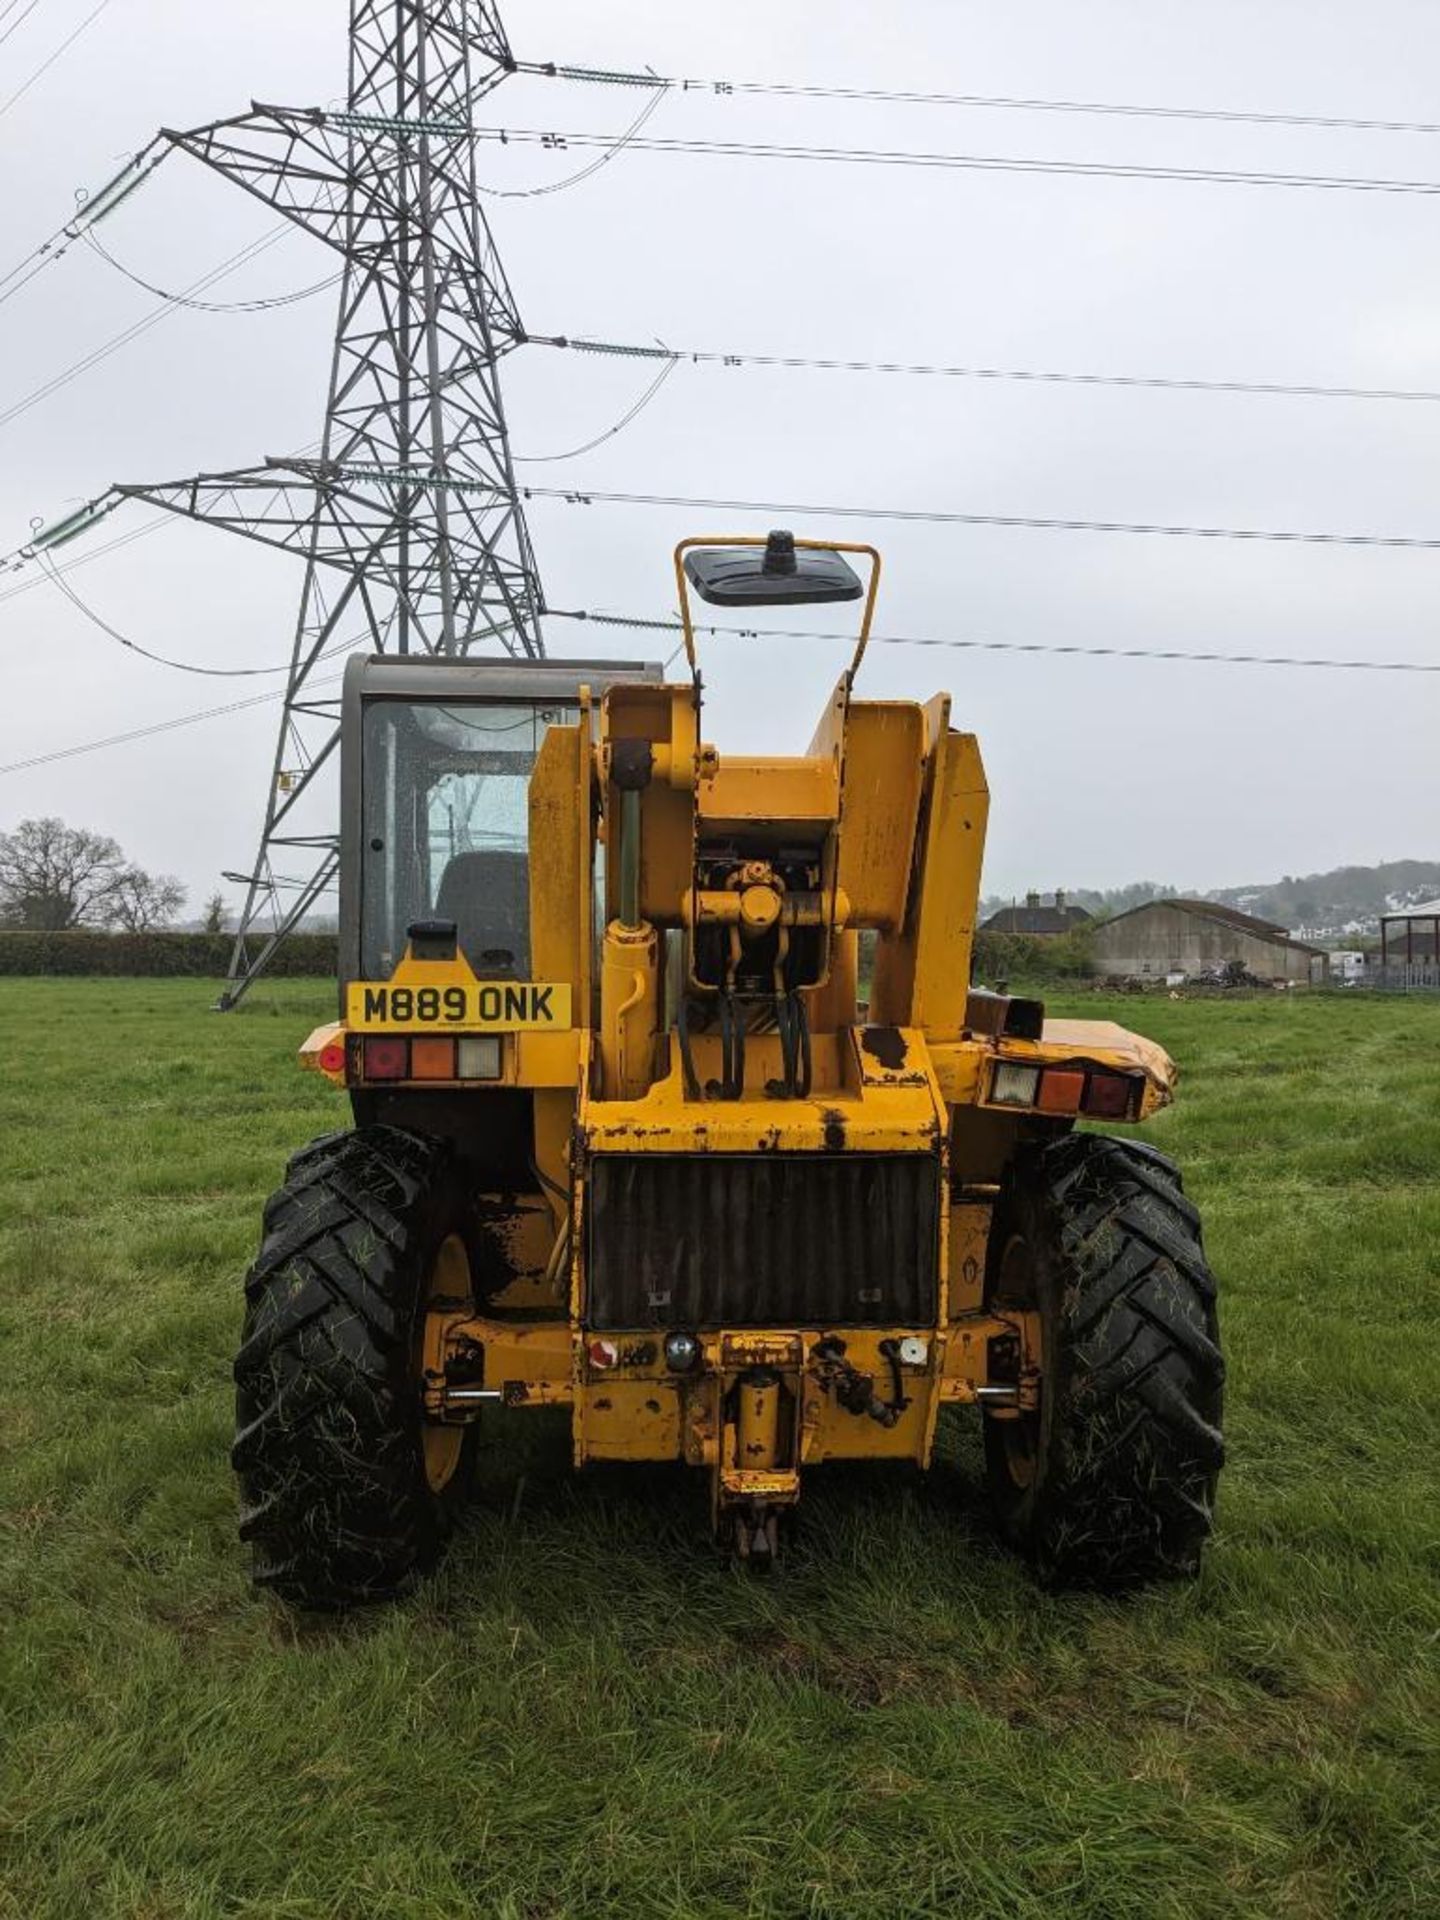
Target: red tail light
(386, 1057)
(1110, 1096)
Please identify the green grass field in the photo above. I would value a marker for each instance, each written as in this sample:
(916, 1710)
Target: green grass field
(584, 1715)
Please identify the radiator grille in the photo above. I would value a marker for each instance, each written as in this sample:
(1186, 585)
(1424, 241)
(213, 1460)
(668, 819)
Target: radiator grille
(736, 1240)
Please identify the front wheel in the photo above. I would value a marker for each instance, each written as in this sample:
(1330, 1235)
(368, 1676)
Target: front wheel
(347, 1489)
(1112, 1481)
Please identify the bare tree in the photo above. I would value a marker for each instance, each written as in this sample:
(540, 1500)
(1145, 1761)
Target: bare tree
(141, 901)
(53, 876)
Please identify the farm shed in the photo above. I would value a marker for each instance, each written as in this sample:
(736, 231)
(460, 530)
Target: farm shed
(1196, 937)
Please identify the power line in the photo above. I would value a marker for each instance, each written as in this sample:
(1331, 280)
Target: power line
(268, 304)
(631, 413)
(1036, 375)
(1005, 102)
(615, 149)
(635, 622)
(142, 326)
(15, 25)
(1000, 646)
(963, 162)
(21, 557)
(156, 727)
(45, 65)
(160, 660)
(14, 562)
(571, 496)
(93, 209)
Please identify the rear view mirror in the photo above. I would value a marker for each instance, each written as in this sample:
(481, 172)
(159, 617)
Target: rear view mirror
(775, 575)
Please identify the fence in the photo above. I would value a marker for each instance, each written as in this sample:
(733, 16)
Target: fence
(1422, 977)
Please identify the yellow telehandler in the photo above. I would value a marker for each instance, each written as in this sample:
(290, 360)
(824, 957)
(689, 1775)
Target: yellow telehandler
(631, 1137)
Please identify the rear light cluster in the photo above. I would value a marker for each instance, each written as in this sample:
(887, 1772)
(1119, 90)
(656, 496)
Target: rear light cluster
(1065, 1090)
(394, 1056)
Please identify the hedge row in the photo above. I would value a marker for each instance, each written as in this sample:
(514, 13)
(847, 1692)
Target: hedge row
(998, 956)
(1023, 956)
(202, 955)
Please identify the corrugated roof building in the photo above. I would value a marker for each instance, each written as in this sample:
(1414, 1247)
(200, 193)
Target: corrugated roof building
(1195, 938)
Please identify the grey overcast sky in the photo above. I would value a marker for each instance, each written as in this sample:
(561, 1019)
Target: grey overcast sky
(1101, 771)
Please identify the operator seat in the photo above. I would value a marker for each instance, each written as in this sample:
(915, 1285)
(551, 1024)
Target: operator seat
(487, 894)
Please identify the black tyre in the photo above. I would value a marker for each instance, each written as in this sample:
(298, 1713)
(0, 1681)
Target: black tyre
(1112, 1482)
(347, 1490)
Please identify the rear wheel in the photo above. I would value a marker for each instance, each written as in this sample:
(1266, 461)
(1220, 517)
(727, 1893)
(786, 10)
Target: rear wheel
(1112, 1481)
(347, 1488)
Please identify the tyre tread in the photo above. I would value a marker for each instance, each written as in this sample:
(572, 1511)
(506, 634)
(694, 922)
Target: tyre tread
(332, 1504)
(1127, 1484)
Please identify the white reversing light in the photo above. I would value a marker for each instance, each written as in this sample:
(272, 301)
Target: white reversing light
(1014, 1086)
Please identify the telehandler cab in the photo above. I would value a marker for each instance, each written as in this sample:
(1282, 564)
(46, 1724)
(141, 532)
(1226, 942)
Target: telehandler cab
(630, 1136)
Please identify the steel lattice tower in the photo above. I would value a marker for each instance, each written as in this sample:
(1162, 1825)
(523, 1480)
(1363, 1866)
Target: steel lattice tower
(409, 519)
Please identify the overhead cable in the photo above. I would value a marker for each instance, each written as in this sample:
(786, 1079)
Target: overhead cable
(961, 162)
(92, 209)
(631, 413)
(15, 25)
(999, 646)
(672, 626)
(13, 563)
(577, 497)
(267, 304)
(46, 64)
(142, 326)
(160, 660)
(613, 151)
(1036, 375)
(1007, 102)
(160, 726)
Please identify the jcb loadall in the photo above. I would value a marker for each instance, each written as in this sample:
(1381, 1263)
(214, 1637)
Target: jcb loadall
(628, 1141)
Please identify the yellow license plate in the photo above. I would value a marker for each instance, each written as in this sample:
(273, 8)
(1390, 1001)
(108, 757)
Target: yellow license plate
(479, 1006)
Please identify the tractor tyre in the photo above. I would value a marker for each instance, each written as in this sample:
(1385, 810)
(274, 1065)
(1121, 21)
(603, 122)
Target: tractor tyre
(1112, 1481)
(347, 1490)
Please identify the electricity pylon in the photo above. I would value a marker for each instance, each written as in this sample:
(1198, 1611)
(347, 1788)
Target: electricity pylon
(409, 519)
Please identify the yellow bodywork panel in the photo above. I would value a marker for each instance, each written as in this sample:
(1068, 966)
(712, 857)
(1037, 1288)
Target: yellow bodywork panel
(874, 1107)
(742, 793)
(879, 803)
(559, 881)
(922, 973)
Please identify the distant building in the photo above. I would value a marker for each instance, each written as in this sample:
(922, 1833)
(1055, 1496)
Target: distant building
(1347, 966)
(1410, 937)
(1195, 938)
(1037, 919)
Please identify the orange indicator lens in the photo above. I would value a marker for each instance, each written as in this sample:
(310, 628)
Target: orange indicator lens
(1061, 1090)
(432, 1059)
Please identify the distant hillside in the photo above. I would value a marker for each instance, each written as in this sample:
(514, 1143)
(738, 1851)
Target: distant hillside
(1346, 900)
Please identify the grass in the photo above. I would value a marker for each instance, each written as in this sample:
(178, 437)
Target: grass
(583, 1715)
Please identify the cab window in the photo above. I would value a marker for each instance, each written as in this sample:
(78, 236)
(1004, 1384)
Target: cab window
(445, 806)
